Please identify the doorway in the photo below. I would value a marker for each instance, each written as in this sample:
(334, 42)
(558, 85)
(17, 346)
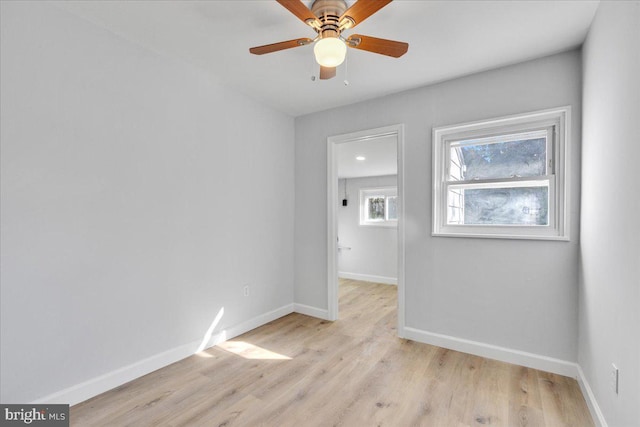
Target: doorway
(392, 213)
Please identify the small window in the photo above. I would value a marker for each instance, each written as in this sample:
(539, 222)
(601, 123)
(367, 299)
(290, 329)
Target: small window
(378, 206)
(502, 178)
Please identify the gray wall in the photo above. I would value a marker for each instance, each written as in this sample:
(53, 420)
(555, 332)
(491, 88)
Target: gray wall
(610, 229)
(374, 250)
(516, 294)
(136, 202)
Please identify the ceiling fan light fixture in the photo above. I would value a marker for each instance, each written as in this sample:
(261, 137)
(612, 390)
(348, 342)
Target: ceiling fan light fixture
(330, 51)
(329, 19)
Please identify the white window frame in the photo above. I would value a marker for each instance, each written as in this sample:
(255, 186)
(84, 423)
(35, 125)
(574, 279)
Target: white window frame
(556, 121)
(367, 193)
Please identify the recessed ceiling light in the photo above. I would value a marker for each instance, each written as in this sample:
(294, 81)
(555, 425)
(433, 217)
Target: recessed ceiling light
(361, 158)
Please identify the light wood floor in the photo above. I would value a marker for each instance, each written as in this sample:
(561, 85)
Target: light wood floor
(301, 371)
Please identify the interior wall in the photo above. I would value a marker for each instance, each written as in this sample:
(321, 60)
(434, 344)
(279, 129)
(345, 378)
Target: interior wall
(610, 230)
(517, 294)
(373, 253)
(138, 198)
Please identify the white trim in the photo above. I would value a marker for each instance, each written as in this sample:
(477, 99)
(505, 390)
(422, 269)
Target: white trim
(368, 278)
(516, 357)
(332, 215)
(590, 398)
(307, 310)
(332, 230)
(95, 386)
(401, 236)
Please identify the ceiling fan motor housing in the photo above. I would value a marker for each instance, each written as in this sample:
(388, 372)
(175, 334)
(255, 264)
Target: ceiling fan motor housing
(329, 13)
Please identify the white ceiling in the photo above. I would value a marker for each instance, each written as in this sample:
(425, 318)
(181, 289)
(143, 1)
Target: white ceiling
(446, 39)
(380, 155)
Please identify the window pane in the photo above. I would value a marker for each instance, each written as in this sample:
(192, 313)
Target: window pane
(502, 157)
(500, 206)
(392, 208)
(375, 208)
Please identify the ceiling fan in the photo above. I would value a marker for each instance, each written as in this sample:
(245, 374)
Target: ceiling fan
(329, 18)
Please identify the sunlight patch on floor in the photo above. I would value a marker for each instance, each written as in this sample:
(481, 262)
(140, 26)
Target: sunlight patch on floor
(250, 351)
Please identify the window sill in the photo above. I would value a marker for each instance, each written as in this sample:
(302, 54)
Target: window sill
(480, 235)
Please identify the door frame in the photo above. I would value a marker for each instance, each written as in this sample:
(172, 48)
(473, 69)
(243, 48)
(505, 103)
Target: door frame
(332, 215)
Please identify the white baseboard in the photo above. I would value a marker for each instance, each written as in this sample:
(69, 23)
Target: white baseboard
(368, 278)
(517, 357)
(257, 321)
(590, 398)
(88, 389)
(311, 311)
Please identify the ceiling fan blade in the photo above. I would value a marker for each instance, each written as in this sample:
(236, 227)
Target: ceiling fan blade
(274, 47)
(361, 10)
(302, 12)
(376, 45)
(327, 73)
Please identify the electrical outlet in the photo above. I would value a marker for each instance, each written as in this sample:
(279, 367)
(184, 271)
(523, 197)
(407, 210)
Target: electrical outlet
(615, 378)
(246, 290)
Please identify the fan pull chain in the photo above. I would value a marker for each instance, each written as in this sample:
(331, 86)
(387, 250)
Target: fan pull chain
(346, 71)
(313, 68)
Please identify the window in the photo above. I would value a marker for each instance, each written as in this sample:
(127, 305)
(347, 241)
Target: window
(502, 178)
(378, 206)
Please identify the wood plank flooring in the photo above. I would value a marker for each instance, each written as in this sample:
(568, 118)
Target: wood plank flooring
(301, 371)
